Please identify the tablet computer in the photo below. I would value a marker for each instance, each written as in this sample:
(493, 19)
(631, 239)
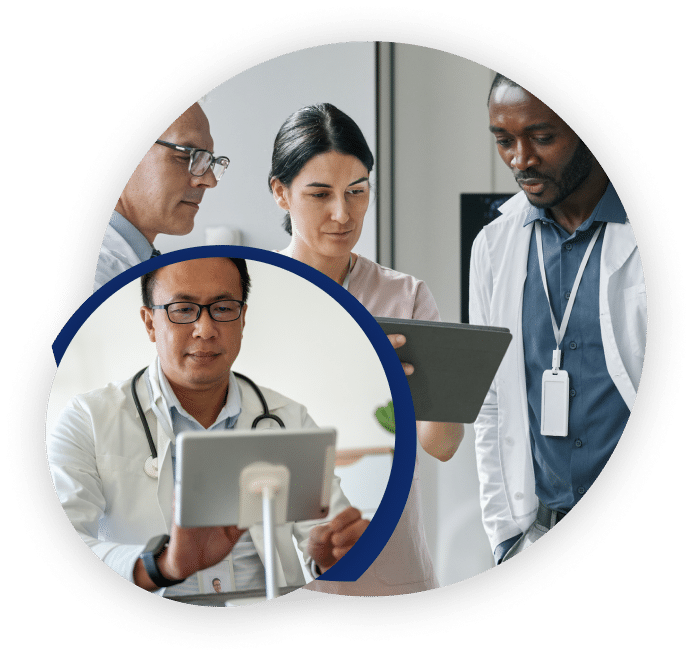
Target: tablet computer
(209, 465)
(454, 365)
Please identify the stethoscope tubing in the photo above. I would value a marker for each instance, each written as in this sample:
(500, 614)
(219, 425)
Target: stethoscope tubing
(145, 424)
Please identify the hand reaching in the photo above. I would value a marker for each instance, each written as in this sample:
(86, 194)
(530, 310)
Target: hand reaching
(329, 542)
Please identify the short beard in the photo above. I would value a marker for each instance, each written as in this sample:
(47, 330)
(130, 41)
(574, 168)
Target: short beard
(576, 171)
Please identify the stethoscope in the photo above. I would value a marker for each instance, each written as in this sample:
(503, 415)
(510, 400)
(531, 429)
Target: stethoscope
(151, 465)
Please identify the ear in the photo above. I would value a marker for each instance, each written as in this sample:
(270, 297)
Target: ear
(281, 193)
(147, 316)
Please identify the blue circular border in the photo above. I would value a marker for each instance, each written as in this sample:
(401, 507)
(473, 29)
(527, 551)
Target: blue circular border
(366, 550)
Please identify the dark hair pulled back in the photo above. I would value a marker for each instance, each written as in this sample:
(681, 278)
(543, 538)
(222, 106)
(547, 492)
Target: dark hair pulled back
(312, 131)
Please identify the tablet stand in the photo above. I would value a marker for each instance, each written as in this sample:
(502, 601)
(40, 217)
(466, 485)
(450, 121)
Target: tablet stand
(264, 495)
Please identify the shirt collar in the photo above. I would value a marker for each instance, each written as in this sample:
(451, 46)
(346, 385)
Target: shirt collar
(231, 409)
(134, 238)
(609, 209)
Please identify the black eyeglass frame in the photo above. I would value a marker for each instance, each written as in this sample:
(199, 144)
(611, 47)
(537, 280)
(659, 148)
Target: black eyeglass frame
(199, 310)
(222, 159)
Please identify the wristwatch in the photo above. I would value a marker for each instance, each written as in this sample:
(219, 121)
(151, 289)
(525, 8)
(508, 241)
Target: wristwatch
(155, 547)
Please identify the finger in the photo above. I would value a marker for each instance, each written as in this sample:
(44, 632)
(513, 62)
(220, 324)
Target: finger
(397, 341)
(346, 517)
(350, 534)
(338, 552)
(321, 534)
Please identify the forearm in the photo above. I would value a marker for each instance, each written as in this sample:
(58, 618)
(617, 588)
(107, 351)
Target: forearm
(439, 439)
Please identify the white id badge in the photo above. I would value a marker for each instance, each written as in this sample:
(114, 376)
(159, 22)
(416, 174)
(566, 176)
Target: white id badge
(555, 390)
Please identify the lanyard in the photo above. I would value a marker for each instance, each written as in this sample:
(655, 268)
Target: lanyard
(559, 333)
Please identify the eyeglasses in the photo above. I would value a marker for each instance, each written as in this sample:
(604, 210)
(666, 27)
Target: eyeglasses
(184, 312)
(200, 160)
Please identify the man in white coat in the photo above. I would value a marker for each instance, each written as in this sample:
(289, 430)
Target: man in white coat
(162, 196)
(560, 268)
(120, 500)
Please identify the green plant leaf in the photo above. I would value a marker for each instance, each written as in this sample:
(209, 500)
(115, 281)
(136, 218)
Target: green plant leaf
(386, 417)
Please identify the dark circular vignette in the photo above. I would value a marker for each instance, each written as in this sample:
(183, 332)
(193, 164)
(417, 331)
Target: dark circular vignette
(167, 89)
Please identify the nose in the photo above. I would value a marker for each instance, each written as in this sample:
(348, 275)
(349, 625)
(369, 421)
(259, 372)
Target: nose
(340, 210)
(523, 156)
(205, 327)
(207, 180)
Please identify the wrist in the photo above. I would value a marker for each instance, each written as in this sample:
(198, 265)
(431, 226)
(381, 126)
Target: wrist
(157, 566)
(167, 568)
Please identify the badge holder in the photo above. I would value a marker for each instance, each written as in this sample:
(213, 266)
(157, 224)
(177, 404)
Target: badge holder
(555, 397)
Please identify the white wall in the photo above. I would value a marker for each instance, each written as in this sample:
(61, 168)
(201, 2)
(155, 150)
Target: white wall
(245, 114)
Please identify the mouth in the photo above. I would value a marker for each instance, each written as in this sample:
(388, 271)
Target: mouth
(532, 185)
(342, 233)
(192, 203)
(203, 357)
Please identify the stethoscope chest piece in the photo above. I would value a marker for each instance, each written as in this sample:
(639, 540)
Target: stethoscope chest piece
(151, 467)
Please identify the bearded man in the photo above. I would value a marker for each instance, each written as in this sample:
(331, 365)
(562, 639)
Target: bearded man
(560, 268)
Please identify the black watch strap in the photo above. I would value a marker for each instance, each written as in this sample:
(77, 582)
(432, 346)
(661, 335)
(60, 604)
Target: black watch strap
(155, 547)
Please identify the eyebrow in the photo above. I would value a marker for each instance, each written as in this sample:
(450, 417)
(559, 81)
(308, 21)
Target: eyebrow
(530, 128)
(194, 299)
(326, 186)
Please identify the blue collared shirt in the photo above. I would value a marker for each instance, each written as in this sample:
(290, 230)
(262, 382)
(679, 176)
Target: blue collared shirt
(566, 467)
(134, 238)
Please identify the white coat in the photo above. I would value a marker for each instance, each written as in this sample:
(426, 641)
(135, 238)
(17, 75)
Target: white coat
(116, 256)
(497, 279)
(97, 452)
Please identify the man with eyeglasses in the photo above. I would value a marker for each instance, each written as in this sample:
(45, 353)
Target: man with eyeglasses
(194, 311)
(162, 196)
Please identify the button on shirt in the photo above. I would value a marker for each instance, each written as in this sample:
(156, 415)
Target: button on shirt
(565, 467)
(249, 572)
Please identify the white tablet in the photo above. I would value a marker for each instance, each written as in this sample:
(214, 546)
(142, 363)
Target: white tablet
(209, 465)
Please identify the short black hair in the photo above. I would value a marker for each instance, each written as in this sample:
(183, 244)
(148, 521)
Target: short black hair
(148, 279)
(310, 131)
(497, 81)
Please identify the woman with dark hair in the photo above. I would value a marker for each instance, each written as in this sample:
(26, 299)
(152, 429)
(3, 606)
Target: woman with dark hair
(320, 173)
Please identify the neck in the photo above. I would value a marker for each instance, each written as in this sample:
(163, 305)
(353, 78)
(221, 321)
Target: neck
(149, 235)
(335, 268)
(203, 404)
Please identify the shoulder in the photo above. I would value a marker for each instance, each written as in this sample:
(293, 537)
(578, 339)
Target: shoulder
(275, 400)
(513, 213)
(292, 414)
(115, 256)
(111, 396)
(90, 413)
(504, 231)
(389, 293)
